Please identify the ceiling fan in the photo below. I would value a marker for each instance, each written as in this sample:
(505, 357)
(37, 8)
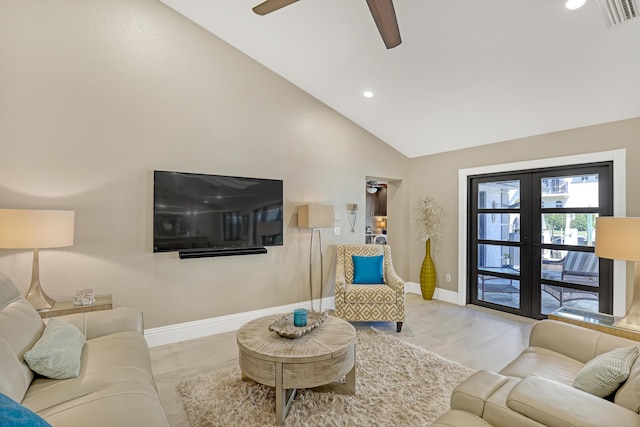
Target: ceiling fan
(373, 186)
(382, 11)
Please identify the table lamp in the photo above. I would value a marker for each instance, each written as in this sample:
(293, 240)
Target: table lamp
(619, 238)
(36, 229)
(315, 217)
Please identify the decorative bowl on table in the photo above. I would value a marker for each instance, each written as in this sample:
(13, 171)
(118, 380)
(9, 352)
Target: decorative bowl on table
(285, 327)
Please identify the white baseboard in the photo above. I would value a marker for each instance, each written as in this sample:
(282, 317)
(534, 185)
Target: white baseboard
(439, 294)
(216, 325)
(412, 287)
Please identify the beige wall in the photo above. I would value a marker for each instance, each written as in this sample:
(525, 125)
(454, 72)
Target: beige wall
(437, 176)
(96, 94)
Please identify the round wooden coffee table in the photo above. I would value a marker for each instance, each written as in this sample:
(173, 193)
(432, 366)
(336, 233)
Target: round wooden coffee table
(319, 359)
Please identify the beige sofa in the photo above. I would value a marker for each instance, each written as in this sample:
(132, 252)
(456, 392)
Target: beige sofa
(536, 388)
(115, 386)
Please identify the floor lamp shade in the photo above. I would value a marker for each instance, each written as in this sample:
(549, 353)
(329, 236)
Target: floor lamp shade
(36, 229)
(315, 216)
(619, 238)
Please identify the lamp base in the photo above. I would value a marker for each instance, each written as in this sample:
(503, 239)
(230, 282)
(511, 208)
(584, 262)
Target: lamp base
(631, 325)
(35, 294)
(313, 232)
(631, 320)
(37, 297)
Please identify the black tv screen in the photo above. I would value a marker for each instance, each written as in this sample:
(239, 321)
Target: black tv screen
(196, 211)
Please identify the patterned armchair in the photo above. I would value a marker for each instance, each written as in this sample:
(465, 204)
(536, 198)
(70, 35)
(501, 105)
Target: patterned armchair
(368, 302)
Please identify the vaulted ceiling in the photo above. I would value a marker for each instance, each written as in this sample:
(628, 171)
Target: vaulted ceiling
(467, 73)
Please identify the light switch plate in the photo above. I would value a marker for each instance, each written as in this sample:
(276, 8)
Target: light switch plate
(336, 231)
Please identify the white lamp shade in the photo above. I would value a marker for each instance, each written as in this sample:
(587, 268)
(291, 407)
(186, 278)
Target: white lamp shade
(35, 229)
(618, 238)
(315, 216)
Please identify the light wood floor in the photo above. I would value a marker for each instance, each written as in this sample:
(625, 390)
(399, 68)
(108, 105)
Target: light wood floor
(474, 336)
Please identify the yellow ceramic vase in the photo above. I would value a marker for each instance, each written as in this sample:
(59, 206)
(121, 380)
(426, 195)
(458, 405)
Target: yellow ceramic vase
(427, 274)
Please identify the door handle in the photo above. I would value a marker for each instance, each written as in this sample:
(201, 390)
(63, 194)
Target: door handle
(536, 245)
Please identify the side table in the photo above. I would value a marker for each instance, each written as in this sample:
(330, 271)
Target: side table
(65, 306)
(597, 321)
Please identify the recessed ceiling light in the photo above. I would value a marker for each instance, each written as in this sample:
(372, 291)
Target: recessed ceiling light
(367, 94)
(574, 4)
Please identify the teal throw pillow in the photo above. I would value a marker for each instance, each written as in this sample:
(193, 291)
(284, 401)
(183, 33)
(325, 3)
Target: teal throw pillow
(57, 353)
(14, 414)
(367, 270)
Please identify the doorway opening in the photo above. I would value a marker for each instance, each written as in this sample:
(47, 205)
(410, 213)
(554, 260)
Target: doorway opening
(376, 212)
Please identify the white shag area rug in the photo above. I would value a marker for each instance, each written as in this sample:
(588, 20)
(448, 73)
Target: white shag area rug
(397, 384)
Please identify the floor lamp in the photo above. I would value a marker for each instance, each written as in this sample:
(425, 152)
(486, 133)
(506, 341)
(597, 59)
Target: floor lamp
(619, 238)
(315, 217)
(36, 229)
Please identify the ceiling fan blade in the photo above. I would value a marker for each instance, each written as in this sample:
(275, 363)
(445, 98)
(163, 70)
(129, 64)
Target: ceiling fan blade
(385, 17)
(271, 6)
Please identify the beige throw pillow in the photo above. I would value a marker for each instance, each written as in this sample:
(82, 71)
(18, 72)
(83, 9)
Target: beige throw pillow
(603, 375)
(57, 353)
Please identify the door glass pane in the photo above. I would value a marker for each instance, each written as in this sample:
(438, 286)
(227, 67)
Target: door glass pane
(576, 191)
(569, 229)
(499, 290)
(499, 195)
(581, 268)
(499, 226)
(554, 297)
(496, 258)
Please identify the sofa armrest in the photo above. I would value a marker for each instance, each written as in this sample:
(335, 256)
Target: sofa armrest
(104, 322)
(458, 418)
(558, 405)
(471, 394)
(340, 279)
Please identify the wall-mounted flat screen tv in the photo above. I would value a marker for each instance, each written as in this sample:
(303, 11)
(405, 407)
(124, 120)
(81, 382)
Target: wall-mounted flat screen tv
(208, 212)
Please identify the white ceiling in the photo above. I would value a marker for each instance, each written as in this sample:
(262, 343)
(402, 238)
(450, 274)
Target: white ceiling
(467, 73)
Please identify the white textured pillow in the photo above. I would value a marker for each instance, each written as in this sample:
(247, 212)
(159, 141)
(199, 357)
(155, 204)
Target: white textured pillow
(57, 353)
(603, 375)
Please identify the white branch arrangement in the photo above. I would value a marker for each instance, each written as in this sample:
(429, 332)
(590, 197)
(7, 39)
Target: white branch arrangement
(428, 219)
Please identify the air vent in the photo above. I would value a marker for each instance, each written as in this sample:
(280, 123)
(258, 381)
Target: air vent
(618, 11)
